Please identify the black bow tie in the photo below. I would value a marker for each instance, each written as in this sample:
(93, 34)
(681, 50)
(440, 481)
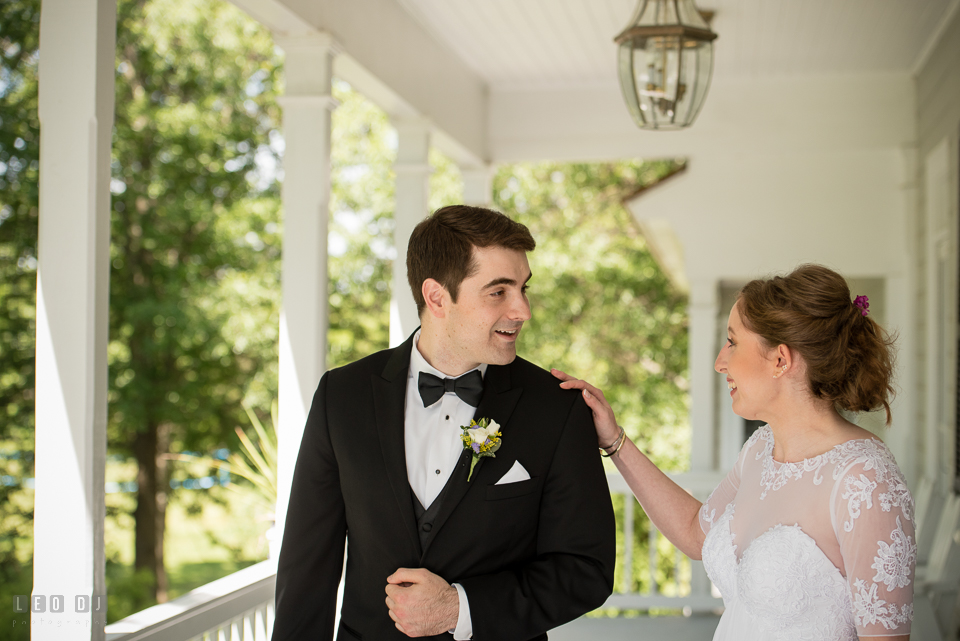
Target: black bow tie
(468, 387)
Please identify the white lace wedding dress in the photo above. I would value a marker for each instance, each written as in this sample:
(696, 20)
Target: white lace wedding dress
(823, 549)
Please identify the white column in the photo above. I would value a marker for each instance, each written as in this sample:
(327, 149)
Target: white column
(903, 318)
(76, 114)
(703, 353)
(307, 108)
(703, 310)
(413, 188)
(900, 438)
(477, 186)
(939, 287)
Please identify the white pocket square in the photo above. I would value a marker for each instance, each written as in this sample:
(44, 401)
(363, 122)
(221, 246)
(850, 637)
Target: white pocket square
(516, 474)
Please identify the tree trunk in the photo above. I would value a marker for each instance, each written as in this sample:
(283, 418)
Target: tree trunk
(150, 449)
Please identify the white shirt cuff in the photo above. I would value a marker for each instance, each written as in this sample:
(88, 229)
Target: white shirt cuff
(464, 629)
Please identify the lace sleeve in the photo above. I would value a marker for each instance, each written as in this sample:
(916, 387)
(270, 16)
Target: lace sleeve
(724, 493)
(873, 519)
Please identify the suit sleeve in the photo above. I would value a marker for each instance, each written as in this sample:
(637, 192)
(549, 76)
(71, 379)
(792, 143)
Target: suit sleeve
(311, 556)
(572, 572)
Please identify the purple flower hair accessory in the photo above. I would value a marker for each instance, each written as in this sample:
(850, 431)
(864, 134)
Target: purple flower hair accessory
(863, 304)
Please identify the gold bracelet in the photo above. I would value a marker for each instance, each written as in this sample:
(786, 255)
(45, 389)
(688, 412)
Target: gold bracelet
(619, 443)
(622, 440)
(607, 447)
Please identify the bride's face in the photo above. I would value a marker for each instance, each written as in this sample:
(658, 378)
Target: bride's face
(750, 367)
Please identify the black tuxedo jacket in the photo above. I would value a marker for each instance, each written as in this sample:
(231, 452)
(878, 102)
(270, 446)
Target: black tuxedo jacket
(530, 555)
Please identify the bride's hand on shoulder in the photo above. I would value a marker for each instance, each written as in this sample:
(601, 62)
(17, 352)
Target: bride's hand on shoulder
(603, 417)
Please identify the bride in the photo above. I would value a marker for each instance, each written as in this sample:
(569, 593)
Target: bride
(811, 534)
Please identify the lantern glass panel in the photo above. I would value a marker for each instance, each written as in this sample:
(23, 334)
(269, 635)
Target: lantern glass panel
(699, 69)
(661, 12)
(627, 82)
(668, 77)
(689, 15)
(665, 61)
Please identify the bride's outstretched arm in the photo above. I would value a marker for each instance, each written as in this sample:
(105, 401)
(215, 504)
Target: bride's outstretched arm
(669, 506)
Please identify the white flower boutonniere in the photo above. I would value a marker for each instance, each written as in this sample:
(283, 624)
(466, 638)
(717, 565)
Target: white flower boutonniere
(482, 438)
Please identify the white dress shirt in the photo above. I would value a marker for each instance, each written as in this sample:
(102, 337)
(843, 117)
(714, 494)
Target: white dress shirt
(432, 445)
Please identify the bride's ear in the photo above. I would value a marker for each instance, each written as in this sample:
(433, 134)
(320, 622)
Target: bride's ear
(784, 360)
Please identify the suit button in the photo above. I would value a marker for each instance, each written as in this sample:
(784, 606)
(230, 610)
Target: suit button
(427, 527)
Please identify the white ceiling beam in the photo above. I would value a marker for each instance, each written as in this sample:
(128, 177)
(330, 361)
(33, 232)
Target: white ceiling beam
(934, 39)
(277, 17)
(389, 57)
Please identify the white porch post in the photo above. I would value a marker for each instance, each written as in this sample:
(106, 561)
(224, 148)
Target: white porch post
(413, 188)
(307, 108)
(703, 309)
(902, 317)
(76, 113)
(477, 186)
(703, 320)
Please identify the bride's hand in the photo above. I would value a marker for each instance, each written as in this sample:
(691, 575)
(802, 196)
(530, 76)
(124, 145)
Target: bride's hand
(603, 418)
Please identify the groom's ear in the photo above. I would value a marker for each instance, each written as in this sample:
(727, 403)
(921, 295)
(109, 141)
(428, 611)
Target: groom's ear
(436, 298)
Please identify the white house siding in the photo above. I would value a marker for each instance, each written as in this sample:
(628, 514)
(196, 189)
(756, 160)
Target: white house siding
(938, 90)
(938, 128)
(795, 180)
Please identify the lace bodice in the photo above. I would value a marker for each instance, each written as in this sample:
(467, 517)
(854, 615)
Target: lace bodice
(819, 549)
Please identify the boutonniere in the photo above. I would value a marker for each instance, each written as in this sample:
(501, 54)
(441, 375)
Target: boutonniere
(482, 438)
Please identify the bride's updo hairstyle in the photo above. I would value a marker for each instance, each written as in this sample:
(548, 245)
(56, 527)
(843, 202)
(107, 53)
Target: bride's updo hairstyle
(848, 356)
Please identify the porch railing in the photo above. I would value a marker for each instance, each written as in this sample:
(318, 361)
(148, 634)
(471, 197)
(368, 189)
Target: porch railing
(239, 607)
(687, 588)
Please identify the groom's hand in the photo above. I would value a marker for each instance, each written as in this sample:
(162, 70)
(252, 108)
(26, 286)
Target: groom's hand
(421, 603)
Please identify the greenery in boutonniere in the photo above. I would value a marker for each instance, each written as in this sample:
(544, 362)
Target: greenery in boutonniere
(482, 438)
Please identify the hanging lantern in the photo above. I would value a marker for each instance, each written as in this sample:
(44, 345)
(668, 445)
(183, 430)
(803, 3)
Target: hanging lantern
(665, 63)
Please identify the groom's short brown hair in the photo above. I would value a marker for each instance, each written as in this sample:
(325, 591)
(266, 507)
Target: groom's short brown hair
(441, 246)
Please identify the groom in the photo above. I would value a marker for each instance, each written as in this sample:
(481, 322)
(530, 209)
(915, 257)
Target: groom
(520, 545)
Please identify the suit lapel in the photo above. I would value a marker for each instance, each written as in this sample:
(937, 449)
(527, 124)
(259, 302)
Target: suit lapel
(498, 402)
(389, 394)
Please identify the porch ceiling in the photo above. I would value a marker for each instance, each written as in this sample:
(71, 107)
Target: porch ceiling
(508, 80)
(524, 43)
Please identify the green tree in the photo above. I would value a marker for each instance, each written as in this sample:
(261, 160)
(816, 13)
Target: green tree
(361, 248)
(194, 279)
(602, 308)
(361, 228)
(19, 165)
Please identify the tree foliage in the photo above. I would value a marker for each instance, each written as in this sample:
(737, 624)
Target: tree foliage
(602, 308)
(194, 278)
(361, 250)
(19, 166)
